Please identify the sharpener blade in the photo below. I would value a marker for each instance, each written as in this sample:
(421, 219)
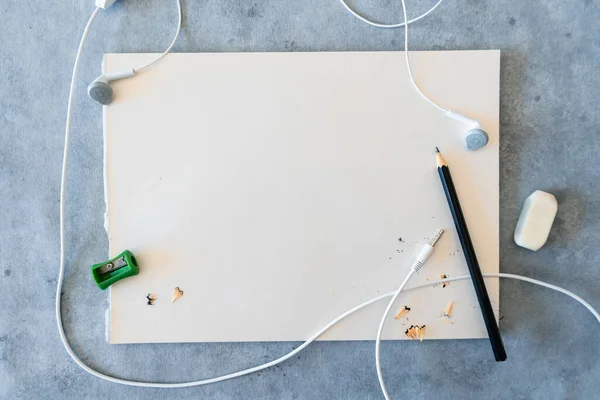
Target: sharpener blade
(113, 266)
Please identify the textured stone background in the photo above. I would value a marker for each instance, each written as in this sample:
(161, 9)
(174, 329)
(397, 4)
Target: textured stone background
(550, 139)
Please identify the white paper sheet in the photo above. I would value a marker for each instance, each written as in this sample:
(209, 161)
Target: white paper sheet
(273, 189)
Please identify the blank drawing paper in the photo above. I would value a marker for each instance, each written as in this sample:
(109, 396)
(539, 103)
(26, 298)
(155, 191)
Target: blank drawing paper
(278, 190)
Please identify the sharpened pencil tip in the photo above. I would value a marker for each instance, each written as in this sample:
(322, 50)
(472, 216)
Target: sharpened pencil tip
(438, 158)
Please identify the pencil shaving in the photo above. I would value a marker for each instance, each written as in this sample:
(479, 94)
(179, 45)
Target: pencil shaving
(421, 333)
(405, 310)
(444, 284)
(448, 310)
(177, 293)
(150, 297)
(416, 332)
(447, 313)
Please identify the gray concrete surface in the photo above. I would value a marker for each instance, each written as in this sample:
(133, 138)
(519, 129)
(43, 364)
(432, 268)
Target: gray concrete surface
(550, 140)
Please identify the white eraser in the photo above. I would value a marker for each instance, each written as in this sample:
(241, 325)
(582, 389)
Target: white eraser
(536, 220)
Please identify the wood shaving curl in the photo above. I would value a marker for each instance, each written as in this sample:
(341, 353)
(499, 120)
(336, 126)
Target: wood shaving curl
(449, 309)
(447, 313)
(177, 293)
(151, 297)
(405, 310)
(416, 332)
(444, 276)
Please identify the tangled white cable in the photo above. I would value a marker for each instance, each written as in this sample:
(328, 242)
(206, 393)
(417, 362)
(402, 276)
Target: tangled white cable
(179, 16)
(404, 24)
(398, 25)
(394, 295)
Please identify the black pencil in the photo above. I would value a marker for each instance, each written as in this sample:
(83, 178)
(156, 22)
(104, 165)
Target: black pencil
(471, 258)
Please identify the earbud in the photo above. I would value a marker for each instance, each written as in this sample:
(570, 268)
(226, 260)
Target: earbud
(100, 89)
(475, 138)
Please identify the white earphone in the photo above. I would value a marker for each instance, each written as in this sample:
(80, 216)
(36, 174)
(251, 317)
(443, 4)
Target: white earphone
(475, 138)
(100, 89)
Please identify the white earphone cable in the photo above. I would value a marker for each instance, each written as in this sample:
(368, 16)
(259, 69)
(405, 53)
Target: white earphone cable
(378, 25)
(380, 332)
(172, 42)
(63, 178)
(408, 68)
(59, 285)
(406, 53)
(458, 278)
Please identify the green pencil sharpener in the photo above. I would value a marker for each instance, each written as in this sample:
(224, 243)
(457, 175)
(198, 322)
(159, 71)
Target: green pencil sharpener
(122, 266)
